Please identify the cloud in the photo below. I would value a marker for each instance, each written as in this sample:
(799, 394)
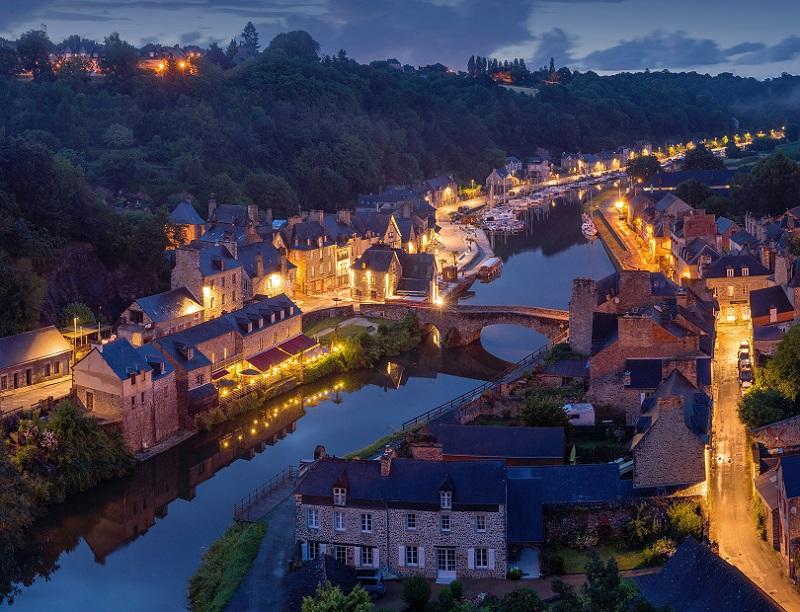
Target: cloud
(191, 38)
(782, 51)
(656, 50)
(745, 47)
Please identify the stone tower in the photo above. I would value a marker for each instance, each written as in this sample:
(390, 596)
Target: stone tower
(581, 309)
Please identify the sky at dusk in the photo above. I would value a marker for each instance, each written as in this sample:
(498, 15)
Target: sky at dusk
(743, 37)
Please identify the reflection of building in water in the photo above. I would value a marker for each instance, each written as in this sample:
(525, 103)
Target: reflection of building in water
(388, 375)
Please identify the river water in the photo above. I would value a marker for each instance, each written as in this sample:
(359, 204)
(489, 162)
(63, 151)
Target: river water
(132, 544)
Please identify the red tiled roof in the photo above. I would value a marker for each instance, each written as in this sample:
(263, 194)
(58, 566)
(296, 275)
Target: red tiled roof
(264, 361)
(297, 345)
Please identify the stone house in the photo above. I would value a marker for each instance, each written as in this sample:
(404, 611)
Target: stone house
(194, 391)
(538, 169)
(184, 225)
(267, 270)
(33, 357)
(731, 279)
(771, 314)
(692, 258)
(517, 446)
(213, 274)
(767, 490)
(383, 273)
(135, 387)
(725, 229)
(444, 520)
(672, 436)
(789, 514)
(573, 163)
(157, 315)
(439, 190)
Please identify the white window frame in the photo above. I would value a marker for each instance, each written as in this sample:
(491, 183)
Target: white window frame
(481, 558)
(367, 557)
(745, 271)
(338, 520)
(729, 272)
(312, 518)
(412, 556)
(339, 496)
(366, 523)
(340, 548)
(480, 523)
(448, 519)
(446, 500)
(313, 550)
(411, 521)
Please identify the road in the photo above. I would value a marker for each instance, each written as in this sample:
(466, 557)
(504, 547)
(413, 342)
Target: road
(28, 396)
(637, 256)
(730, 490)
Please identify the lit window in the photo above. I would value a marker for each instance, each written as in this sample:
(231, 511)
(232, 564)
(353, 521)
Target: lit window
(312, 518)
(411, 521)
(445, 521)
(729, 272)
(730, 290)
(412, 555)
(366, 523)
(481, 558)
(745, 271)
(480, 522)
(445, 499)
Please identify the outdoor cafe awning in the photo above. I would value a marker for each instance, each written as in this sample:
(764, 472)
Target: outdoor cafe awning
(220, 374)
(264, 361)
(297, 345)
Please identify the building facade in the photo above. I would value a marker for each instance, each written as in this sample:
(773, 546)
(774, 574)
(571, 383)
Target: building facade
(33, 357)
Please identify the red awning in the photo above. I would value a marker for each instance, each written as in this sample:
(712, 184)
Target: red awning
(264, 361)
(220, 374)
(298, 344)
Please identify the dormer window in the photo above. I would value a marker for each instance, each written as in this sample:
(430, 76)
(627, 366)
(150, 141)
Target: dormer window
(729, 272)
(445, 500)
(260, 322)
(745, 271)
(272, 318)
(339, 496)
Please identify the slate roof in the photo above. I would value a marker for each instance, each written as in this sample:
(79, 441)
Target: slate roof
(261, 308)
(269, 254)
(696, 407)
(743, 237)
(124, 359)
(762, 300)
(376, 258)
(724, 224)
(767, 486)
(661, 285)
(32, 345)
(605, 330)
(525, 516)
(672, 201)
(695, 248)
(303, 582)
(305, 235)
(171, 347)
(215, 259)
(789, 467)
(234, 214)
(156, 360)
(573, 368)
(169, 304)
(185, 214)
(500, 442)
(743, 259)
(697, 580)
(645, 373)
(410, 481)
(571, 484)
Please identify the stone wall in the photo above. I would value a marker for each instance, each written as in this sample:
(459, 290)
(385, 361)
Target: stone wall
(783, 434)
(581, 311)
(165, 405)
(309, 318)
(39, 371)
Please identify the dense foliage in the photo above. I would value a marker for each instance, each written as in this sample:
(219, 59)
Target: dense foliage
(331, 599)
(224, 565)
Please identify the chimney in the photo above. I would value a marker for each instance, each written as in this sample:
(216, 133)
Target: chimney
(259, 265)
(344, 216)
(386, 461)
(320, 241)
(212, 206)
(319, 452)
(292, 221)
(316, 215)
(252, 213)
(268, 216)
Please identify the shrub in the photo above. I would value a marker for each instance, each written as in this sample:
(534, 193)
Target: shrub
(584, 540)
(223, 566)
(416, 592)
(522, 600)
(457, 589)
(446, 599)
(514, 573)
(658, 552)
(552, 563)
(684, 519)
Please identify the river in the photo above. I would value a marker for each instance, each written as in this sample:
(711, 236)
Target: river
(132, 544)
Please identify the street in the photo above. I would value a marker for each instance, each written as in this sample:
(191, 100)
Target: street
(730, 487)
(28, 396)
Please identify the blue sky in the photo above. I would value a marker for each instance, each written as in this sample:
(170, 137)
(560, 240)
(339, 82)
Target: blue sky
(744, 37)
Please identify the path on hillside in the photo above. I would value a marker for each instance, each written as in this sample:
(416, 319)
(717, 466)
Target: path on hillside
(730, 495)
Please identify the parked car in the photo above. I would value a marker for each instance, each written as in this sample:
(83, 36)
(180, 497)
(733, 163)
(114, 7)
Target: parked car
(744, 361)
(746, 377)
(371, 580)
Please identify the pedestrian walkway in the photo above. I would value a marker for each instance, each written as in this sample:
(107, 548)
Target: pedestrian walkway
(264, 585)
(26, 397)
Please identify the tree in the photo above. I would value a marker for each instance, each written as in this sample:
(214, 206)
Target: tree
(693, 192)
(270, 191)
(249, 40)
(119, 59)
(9, 62)
(416, 592)
(297, 44)
(232, 52)
(543, 410)
(16, 515)
(522, 600)
(118, 136)
(76, 313)
(118, 168)
(643, 166)
(771, 187)
(792, 132)
(34, 48)
(760, 406)
(701, 158)
(216, 55)
(331, 599)
(21, 296)
(685, 520)
(471, 66)
(604, 589)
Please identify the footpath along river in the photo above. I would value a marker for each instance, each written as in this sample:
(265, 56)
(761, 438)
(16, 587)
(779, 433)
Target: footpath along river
(132, 544)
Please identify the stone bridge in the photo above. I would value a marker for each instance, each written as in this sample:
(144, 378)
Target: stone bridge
(461, 324)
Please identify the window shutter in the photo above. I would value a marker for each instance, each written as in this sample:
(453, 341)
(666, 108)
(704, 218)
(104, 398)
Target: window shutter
(376, 557)
(471, 558)
(323, 549)
(491, 558)
(401, 555)
(357, 556)
(421, 552)
(304, 551)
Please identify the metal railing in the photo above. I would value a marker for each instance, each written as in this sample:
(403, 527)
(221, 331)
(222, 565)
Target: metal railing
(241, 509)
(512, 373)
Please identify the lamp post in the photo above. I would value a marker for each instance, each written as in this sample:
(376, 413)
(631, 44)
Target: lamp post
(75, 339)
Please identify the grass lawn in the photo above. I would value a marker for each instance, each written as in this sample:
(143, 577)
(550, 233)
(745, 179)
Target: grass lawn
(575, 560)
(317, 327)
